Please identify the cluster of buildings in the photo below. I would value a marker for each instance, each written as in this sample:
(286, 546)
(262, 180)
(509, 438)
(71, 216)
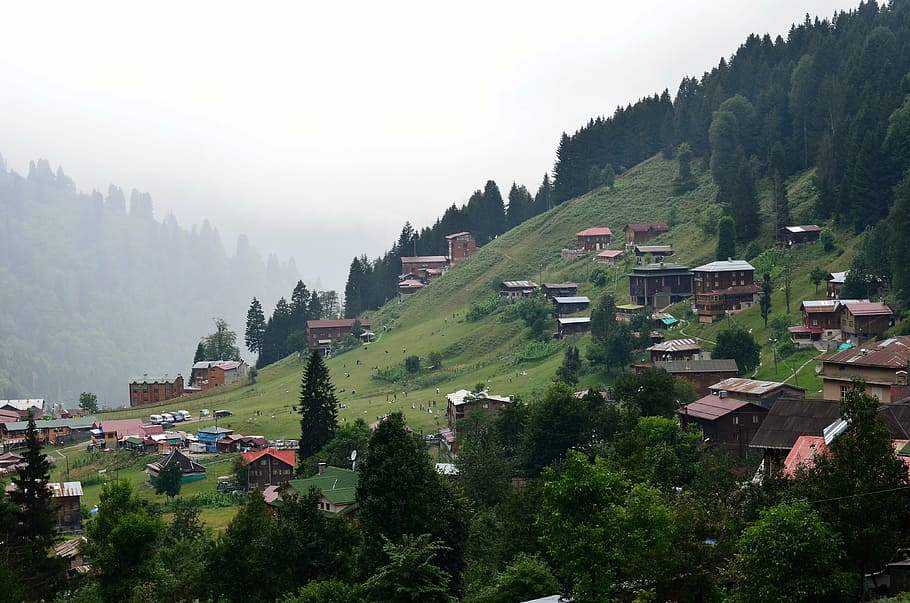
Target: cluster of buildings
(566, 302)
(418, 271)
(206, 375)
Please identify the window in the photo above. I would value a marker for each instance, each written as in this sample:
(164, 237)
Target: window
(755, 418)
(843, 391)
(736, 420)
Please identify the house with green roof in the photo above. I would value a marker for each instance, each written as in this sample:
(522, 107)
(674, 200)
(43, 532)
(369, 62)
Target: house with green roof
(337, 489)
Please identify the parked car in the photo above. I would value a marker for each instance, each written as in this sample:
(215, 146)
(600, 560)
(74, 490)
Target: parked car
(167, 424)
(184, 414)
(155, 419)
(167, 417)
(177, 416)
(220, 414)
(204, 412)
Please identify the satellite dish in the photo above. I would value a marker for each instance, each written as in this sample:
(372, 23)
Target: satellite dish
(353, 455)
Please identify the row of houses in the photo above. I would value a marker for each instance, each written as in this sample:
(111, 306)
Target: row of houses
(420, 270)
(835, 320)
(206, 374)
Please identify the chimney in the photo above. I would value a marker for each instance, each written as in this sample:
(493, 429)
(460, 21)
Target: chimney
(321, 468)
(722, 393)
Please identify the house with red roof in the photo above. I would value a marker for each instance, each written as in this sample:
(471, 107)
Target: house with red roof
(642, 233)
(609, 257)
(883, 367)
(212, 373)
(594, 239)
(110, 432)
(268, 467)
(724, 422)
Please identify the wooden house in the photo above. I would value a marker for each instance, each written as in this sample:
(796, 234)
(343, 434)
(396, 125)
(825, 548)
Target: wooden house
(675, 350)
(53, 431)
(785, 422)
(151, 390)
(425, 267)
(835, 282)
(789, 236)
(408, 287)
(323, 335)
(463, 404)
(594, 239)
(609, 257)
(724, 287)
(24, 408)
(461, 246)
(642, 233)
(659, 285)
(213, 373)
(269, 467)
(66, 497)
(517, 290)
(551, 290)
(570, 305)
(572, 326)
(702, 374)
(724, 422)
(864, 320)
(765, 393)
(649, 254)
(71, 552)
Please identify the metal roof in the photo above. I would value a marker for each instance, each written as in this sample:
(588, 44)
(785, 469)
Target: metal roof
(869, 309)
(713, 407)
(60, 489)
(656, 226)
(698, 366)
(519, 284)
(560, 285)
(74, 423)
(838, 277)
(610, 253)
(337, 485)
(657, 267)
(158, 379)
(341, 322)
(724, 266)
(581, 299)
(790, 418)
(891, 353)
(574, 321)
(654, 249)
(676, 345)
(23, 404)
(214, 430)
(749, 386)
(458, 234)
(594, 232)
(804, 228)
(425, 259)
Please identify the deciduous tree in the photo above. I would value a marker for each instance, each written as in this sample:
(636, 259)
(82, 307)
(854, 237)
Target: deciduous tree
(88, 402)
(222, 344)
(738, 344)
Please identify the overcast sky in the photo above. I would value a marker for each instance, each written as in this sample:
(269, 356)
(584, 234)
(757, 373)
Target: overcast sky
(319, 128)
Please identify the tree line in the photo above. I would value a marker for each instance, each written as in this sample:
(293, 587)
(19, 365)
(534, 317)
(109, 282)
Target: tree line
(371, 283)
(285, 330)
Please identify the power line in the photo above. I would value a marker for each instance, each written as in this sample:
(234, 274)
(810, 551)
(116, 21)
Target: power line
(860, 494)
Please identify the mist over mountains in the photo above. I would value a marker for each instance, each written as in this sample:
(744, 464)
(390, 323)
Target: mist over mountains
(95, 290)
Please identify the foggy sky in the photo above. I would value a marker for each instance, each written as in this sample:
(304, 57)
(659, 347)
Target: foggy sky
(318, 128)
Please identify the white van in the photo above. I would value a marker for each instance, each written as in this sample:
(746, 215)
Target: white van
(177, 416)
(183, 414)
(155, 419)
(167, 418)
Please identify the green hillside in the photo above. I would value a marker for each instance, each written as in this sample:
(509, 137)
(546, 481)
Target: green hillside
(490, 350)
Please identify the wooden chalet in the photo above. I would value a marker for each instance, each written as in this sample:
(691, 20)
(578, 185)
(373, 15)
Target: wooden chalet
(649, 254)
(865, 320)
(67, 497)
(151, 390)
(765, 393)
(324, 335)
(594, 239)
(337, 489)
(425, 267)
(408, 287)
(570, 305)
(785, 422)
(609, 257)
(883, 367)
(551, 290)
(517, 290)
(461, 246)
(724, 287)
(676, 350)
(572, 326)
(789, 236)
(191, 470)
(642, 233)
(268, 467)
(462, 404)
(724, 422)
(659, 285)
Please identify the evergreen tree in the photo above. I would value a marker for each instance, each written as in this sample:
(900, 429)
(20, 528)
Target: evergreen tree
(738, 344)
(900, 253)
(684, 181)
(299, 308)
(571, 365)
(318, 408)
(199, 356)
(765, 301)
(31, 492)
(543, 200)
(315, 310)
(520, 206)
(255, 327)
(608, 176)
(353, 290)
(726, 239)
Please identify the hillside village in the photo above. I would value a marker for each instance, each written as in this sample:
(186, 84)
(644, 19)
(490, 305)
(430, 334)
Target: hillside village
(712, 406)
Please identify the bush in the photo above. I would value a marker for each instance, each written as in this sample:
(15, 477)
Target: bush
(484, 307)
(412, 364)
(533, 351)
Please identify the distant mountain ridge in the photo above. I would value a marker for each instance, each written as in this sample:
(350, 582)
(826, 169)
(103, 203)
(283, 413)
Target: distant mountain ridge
(94, 289)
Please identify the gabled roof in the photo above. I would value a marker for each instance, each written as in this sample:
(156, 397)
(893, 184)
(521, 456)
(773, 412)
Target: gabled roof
(658, 267)
(62, 489)
(655, 249)
(74, 423)
(724, 266)
(610, 253)
(410, 283)
(122, 427)
(560, 285)
(574, 320)
(519, 284)
(891, 353)
(425, 259)
(288, 457)
(581, 299)
(187, 465)
(838, 277)
(341, 322)
(869, 309)
(337, 485)
(656, 226)
(458, 234)
(227, 366)
(804, 228)
(464, 396)
(23, 404)
(750, 386)
(676, 345)
(790, 418)
(594, 232)
(215, 431)
(713, 407)
(158, 379)
(803, 453)
(698, 366)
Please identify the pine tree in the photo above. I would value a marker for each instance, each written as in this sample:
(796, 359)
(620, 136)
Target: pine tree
(318, 408)
(255, 327)
(300, 302)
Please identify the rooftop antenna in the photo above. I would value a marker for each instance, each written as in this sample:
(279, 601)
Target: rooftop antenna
(353, 459)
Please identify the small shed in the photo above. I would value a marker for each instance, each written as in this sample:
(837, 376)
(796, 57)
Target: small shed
(570, 305)
(192, 471)
(569, 327)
